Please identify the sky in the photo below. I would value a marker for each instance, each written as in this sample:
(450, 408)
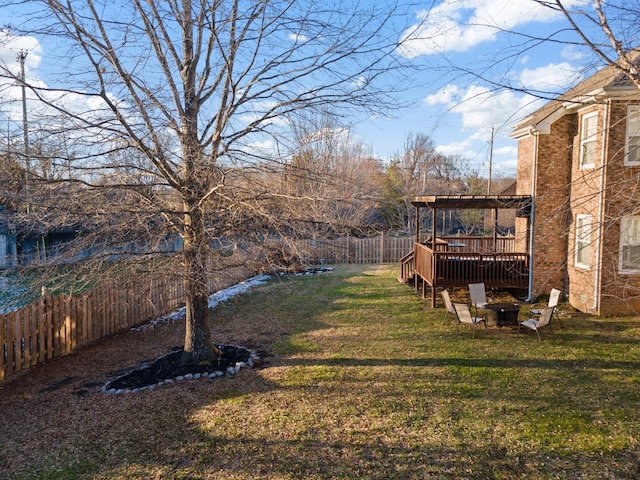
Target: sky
(459, 111)
(462, 113)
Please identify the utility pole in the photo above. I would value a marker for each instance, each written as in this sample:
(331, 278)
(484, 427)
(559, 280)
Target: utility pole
(25, 128)
(490, 160)
(492, 213)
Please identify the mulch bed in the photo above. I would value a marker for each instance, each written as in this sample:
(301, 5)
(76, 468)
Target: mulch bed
(168, 369)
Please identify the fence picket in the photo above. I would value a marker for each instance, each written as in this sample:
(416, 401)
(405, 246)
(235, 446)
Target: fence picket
(3, 345)
(42, 338)
(11, 338)
(68, 328)
(26, 337)
(33, 346)
(17, 342)
(55, 323)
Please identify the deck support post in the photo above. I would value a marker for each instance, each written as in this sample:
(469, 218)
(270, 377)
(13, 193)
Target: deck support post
(495, 229)
(433, 229)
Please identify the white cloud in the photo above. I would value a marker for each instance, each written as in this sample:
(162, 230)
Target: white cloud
(11, 46)
(462, 149)
(266, 146)
(445, 96)
(479, 106)
(458, 25)
(554, 77)
(10, 90)
(359, 82)
(507, 167)
(480, 109)
(572, 52)
(507, 150)
(298, 37)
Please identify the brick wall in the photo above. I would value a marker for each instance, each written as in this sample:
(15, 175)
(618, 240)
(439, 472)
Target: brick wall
(551, 201)
(562, 191)
(524, 174)
(619, 293)
(585, 197)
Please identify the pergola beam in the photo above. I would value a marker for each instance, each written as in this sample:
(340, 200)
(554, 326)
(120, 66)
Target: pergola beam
(522, 203)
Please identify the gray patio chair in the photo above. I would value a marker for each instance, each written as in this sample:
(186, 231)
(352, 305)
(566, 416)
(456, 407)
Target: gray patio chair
(554, 297)
(478, 296)
(463, 314)
(448, 305)
(536, 324)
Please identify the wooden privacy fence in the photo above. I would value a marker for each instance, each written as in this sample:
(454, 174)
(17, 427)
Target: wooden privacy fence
(53, 326)
(385, 248)
(380, 249)
(57, 325)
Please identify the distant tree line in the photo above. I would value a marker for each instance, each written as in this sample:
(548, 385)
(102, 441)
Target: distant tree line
(330, 186)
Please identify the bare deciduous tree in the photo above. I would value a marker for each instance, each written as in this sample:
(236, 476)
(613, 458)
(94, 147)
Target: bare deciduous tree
(607, 30)
(175, 115)
(419, 169)
(333, 175)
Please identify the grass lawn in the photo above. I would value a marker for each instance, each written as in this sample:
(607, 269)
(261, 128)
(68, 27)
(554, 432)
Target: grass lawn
(359, 379)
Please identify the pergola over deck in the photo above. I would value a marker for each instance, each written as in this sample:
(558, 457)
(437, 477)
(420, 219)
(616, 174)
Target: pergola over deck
(448, 262)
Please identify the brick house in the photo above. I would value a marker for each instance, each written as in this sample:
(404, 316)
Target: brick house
(579, 158)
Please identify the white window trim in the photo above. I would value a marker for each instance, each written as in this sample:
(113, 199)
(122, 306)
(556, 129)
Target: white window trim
(590, 139)
(577, 241)
(621, 269)
(630, 109)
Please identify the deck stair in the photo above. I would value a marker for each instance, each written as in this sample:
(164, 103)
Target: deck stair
(407, 267)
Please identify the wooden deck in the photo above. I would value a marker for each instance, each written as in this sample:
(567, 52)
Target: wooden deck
(462, 265)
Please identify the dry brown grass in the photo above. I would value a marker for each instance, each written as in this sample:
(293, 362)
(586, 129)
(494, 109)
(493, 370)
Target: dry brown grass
(357, 380)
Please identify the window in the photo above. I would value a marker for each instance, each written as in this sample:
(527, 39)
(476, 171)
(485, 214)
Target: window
(588, 140)
(583, 240)
(633, 136)
(630, 244)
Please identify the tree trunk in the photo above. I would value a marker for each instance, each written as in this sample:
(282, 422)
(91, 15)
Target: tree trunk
(198, 346)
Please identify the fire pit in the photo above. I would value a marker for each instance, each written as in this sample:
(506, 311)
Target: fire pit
(501, 314)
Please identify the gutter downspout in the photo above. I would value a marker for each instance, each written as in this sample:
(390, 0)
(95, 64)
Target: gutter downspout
(598, 264)
(532, 215)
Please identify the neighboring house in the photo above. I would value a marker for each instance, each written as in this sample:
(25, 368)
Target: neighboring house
(8, 243)
(27, 248)
(579, 158)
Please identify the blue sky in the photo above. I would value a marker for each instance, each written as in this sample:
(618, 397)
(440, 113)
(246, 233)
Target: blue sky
(460, 112)
(457, 110)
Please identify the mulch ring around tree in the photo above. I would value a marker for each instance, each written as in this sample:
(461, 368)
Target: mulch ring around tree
(167, 370)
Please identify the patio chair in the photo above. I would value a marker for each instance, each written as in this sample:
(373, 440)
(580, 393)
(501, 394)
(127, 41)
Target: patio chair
(448, 305)
(463, 314)
(554, 297)
(478, 296)
(536, 324)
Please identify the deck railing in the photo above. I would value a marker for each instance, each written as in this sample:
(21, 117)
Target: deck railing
(501, 244)
(460, 268)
